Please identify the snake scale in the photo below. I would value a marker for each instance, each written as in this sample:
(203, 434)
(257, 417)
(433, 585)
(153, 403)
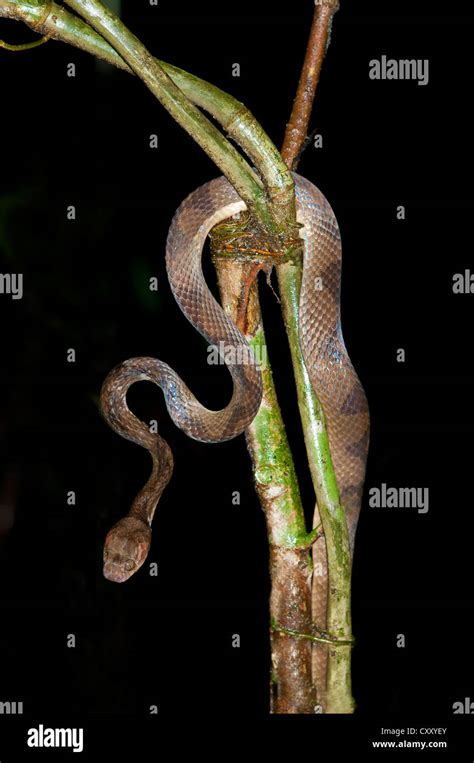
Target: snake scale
(330, 369)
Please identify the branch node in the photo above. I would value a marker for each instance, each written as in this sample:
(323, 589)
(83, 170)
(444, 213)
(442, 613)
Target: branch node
(318, 636)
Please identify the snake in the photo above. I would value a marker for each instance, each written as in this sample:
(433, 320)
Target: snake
(329, 367)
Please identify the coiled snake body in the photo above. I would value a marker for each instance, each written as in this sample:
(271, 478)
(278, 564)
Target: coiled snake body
(334, 379)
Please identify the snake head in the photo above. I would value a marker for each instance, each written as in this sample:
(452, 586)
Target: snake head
(126, 548)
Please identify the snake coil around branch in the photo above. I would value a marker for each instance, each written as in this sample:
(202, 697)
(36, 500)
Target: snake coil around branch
(333, 377)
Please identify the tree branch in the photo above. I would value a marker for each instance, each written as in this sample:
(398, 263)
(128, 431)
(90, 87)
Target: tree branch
(333, 550)
(56, 22)
(277, 488)
(273, 205)
(297, 127)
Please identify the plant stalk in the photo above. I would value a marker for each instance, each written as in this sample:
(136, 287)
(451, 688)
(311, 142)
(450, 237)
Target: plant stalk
(277, 487)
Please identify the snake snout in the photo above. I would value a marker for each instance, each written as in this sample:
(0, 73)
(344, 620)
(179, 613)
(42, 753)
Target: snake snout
(125, 550)
(115, 573)
(119, 565)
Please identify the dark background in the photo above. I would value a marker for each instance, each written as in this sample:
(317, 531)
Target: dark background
(166, 640)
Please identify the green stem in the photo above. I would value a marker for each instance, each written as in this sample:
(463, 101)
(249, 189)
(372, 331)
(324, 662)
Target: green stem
(278, 491)
(211, 140)
(238, 122)
(185, 113)
(331, 602)
(339, 695)
(24, 45)
(273, 467)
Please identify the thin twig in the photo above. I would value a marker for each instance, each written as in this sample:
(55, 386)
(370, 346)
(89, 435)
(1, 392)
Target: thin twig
(24, 45)
(275, 206)
(297, 127)
(234, 117)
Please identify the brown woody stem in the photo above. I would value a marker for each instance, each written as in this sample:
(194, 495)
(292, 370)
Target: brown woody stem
(277, 488)
(297, 127)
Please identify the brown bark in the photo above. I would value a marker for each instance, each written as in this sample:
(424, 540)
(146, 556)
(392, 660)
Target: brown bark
(290, 609)
(297, 127)
(290, 568)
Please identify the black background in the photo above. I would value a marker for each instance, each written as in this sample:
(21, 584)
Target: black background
(166, 640)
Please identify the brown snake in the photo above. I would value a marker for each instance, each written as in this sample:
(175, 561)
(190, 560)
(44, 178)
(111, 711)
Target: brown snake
(332, 374)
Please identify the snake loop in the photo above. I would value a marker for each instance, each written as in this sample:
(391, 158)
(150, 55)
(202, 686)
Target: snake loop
(331, 372)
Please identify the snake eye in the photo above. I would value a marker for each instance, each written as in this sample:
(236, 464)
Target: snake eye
(106, 553)
(129, 565)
